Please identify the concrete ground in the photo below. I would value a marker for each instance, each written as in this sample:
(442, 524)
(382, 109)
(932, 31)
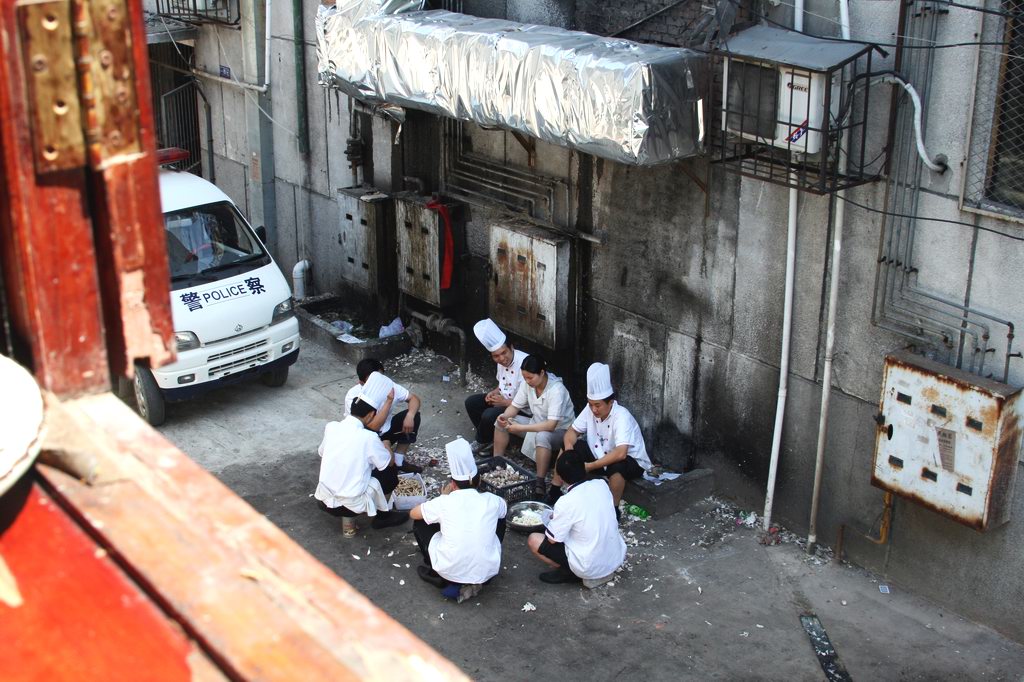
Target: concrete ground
(699, 598)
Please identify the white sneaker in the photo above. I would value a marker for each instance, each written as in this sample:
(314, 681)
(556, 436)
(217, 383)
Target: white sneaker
(468, 592)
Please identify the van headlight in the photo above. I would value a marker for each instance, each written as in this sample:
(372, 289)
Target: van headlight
(186, 340)
(283, 310)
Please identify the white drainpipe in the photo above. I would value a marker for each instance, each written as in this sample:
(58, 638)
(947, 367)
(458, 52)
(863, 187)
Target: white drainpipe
(830, 338)
(787, 325)
(299, 278)
(266, 63)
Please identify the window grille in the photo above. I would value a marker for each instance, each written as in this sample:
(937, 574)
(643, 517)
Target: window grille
(793, 109)
(200, 11)
(993, 174)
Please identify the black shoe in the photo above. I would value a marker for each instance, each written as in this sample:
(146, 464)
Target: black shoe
(431, 576)
(410, 468)
(559, 576)
(387, 519)
(554, 492)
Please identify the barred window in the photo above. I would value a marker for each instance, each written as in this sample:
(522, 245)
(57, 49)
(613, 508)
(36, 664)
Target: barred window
(994, 169)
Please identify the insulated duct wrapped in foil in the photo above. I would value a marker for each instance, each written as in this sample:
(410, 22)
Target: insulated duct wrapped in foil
(624, 101)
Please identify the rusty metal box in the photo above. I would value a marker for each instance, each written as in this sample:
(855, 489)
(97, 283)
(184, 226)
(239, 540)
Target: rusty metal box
(363, 218)
(530, 292)
(948, 440)
(427, 248)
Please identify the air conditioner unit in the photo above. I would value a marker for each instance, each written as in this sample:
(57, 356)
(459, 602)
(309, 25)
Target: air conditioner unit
(777, 104)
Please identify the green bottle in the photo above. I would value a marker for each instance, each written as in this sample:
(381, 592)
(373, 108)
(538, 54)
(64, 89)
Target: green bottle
(637, 511)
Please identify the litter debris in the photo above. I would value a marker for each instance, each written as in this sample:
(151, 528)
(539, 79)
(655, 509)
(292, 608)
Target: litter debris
(443, 400)
(648, 588)
(744, 634)
(356, 557)
(401, 582)
(843, 602)
(348, 338)
(397, 565)
(759, 626)
(441, 616)
(529, 607)
(708, 622)
(884, 589)
(367, 551)
(392, 329)
(700, 590)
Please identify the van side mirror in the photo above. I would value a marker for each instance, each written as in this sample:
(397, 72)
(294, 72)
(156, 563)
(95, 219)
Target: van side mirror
(261, 232)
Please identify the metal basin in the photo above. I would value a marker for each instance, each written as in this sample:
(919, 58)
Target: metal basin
(539, 508)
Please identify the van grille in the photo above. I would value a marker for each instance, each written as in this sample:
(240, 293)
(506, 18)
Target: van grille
(237, 351)
(240, 363)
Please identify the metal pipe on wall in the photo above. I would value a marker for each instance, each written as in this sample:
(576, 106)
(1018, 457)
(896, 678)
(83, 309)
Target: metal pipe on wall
(787, 324)
(833, 303)
(266, 63)
(301, 105)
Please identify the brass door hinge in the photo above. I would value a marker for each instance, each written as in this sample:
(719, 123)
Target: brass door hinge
(78, 64)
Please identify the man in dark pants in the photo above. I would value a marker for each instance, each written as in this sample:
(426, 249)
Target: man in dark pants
(460, 532)
(581, 541)
(483, 408)
(357, 472)
(398, 430)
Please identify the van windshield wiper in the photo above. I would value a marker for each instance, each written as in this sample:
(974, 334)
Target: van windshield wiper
(193, 276)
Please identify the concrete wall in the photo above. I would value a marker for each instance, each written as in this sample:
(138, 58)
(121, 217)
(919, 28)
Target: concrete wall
(687, 307)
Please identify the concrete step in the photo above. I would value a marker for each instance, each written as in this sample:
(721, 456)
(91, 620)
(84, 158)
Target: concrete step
(670, 496)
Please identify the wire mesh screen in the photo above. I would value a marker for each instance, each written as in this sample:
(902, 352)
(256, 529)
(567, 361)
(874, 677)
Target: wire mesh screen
(202, 11)
(994, 172)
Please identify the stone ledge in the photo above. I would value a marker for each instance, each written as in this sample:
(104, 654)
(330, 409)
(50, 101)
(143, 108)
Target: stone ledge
(671, 496)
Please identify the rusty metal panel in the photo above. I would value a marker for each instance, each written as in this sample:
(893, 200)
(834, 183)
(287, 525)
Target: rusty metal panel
(948, 440)
(362, 218)
(422, 238)
(529, 292)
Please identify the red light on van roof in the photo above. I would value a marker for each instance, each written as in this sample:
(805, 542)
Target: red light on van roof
(169, 155)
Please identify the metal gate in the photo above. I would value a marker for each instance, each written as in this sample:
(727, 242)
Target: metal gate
(177, 98)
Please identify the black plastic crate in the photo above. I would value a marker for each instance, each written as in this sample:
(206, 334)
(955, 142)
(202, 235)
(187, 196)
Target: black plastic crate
(516, 492)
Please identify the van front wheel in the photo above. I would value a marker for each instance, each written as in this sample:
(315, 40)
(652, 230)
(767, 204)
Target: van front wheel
(149, 401)
(276, 377)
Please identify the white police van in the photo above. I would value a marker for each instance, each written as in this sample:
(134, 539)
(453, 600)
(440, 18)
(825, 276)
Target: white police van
(232, 308)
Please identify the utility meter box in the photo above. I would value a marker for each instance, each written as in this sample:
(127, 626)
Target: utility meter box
(530, 292)
(363, 220)
(429, 247)
(948, 440)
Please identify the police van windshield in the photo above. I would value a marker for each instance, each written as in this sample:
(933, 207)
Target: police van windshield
(208, 243)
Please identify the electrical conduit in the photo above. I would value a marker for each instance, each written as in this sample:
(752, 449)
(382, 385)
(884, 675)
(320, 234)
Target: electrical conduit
(787, 325)
(833, 302)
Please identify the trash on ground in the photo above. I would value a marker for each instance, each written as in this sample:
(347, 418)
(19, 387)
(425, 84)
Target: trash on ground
(529, 607)
(392, 329)
(348, 338)
(884, 589)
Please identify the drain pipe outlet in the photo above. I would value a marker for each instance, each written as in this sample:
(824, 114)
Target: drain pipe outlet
(299, 273)
(444, 325)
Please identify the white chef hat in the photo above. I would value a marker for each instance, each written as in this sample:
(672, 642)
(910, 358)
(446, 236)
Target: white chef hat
(599, 382)
(375, 390)
(489, 335)
(460, 460)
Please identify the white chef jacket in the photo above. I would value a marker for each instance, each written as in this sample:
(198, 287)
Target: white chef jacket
(401, 396)
(553, 403)
(467, 549)
(620, 428)
(510, 377)
(350, 453)
(584, 519)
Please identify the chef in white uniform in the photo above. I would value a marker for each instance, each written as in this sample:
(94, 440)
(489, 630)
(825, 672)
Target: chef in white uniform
(484, 408)
(399, 429)
(460, 532)
(581, 542)
(357, 471)
(614, 445)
